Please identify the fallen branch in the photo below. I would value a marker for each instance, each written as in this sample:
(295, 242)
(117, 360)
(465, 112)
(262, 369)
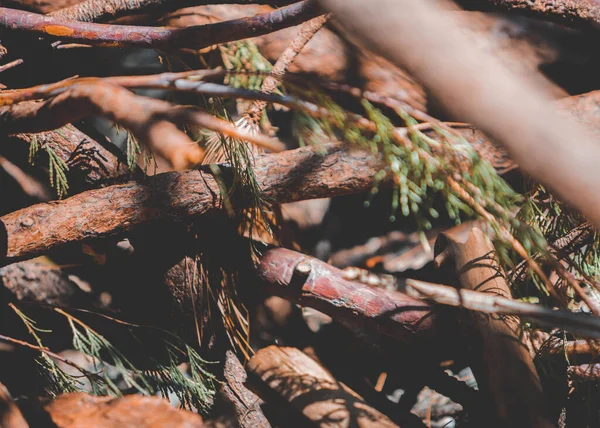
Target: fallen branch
(158, 37)
(90, 164)
(79, 409)
(294, 382)
(31, 281)
(291, 176)
(151, 120)
(10, 415)
(310, 282)
(581, 324)
(502, 365)
(245, 403)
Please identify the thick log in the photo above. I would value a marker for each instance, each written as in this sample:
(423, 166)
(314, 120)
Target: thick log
(295, 175)
(299, 385)
(502, 364)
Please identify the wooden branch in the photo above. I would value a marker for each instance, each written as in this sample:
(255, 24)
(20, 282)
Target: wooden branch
(501, 363)
(574, 13)
(151, 120)
(32, 281)
(292, 176)
(91, 164)
(246, 404)
(478, 88)
(575, 323)
(310, 282)
(292, 381)
(104, 10)
(158, 37)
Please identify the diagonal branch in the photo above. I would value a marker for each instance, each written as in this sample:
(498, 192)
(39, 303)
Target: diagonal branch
(151, 120)
(166, 38)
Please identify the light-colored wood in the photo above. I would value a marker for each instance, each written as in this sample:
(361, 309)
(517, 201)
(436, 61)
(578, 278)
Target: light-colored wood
(287, 376)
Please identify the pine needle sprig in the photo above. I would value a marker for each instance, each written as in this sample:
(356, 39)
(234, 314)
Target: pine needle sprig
(114, 373)
(57, 167)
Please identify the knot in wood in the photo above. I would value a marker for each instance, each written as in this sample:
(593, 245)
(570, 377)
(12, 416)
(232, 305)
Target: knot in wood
(27, 222)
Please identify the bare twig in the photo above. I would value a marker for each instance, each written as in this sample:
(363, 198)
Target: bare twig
(149, 119)
(10, 65)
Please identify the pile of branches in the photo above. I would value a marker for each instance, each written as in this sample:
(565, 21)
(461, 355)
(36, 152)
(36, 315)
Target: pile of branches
(261, 214)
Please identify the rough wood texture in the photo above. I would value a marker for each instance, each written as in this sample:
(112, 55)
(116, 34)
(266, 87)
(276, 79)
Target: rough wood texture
(79, 410)
(295, 175)
(157, 37)
(292, 380)
(311, 282)
(31, 281)
(576, 13)
(502, 364)
(246, 404)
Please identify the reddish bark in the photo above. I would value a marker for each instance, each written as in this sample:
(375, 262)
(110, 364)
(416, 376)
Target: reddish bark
(103, 10)
(311, 282)
(292, 176)
(158, 37)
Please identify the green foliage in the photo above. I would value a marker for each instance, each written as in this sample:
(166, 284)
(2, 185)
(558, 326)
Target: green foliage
(133, 151)
(243, 56)
(422, 168)
(56, 165)
(552, 219)
(113, 373)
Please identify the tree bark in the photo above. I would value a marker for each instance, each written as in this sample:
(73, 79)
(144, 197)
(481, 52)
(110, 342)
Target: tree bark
(296, 383)
(502, 364)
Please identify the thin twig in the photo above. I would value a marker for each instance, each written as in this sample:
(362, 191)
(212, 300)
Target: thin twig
(10, 65)
(492, 304)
